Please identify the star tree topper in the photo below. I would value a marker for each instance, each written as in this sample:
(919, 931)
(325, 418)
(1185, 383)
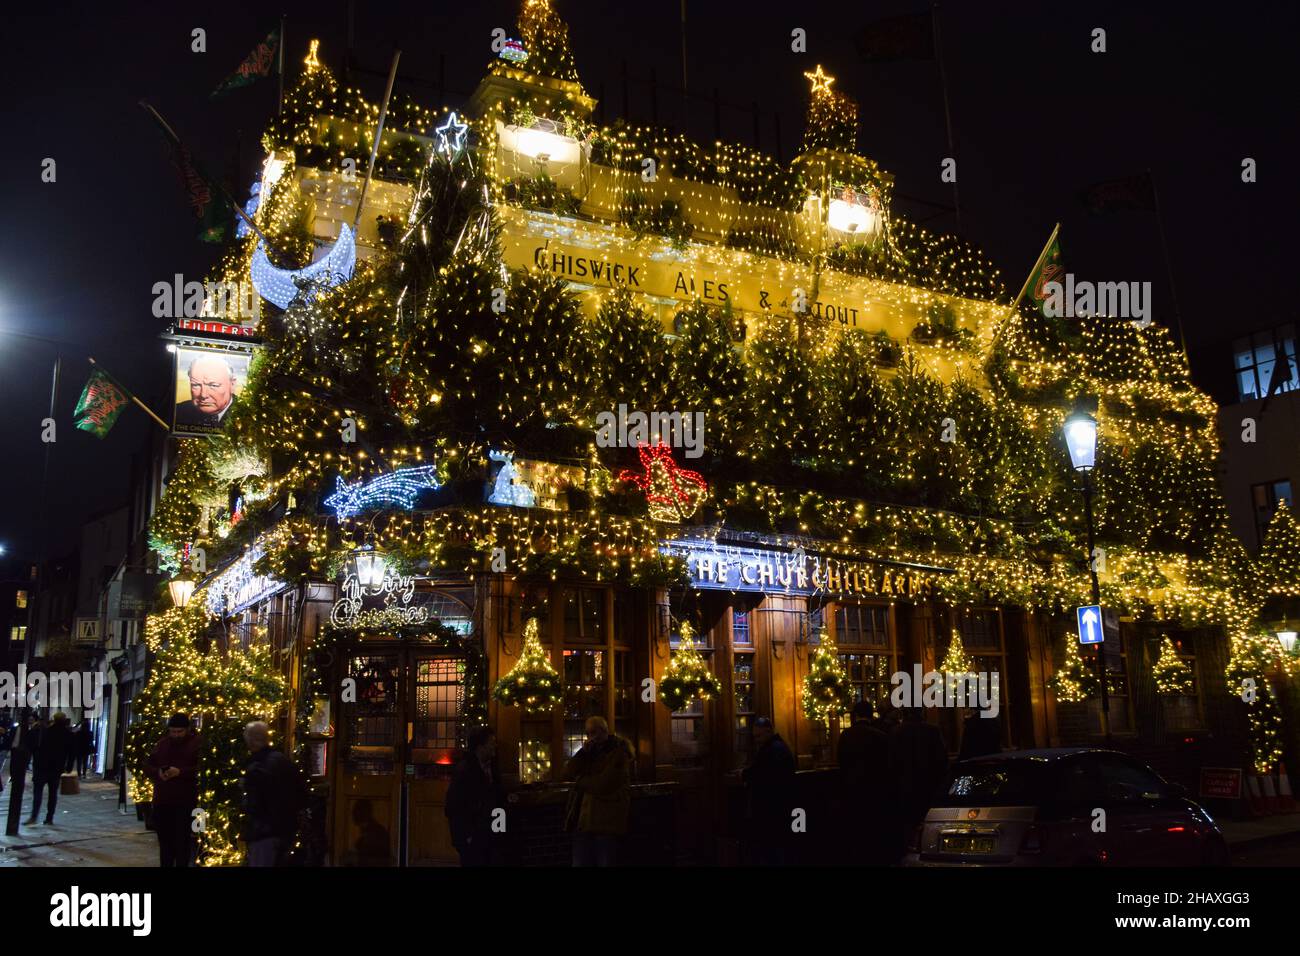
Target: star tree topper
(451, 137)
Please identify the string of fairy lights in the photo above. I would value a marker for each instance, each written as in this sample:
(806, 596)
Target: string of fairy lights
(937, 445)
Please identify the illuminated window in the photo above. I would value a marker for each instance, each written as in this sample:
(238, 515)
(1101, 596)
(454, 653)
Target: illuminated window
(17, 633)
(20, 599)
(1256, 361)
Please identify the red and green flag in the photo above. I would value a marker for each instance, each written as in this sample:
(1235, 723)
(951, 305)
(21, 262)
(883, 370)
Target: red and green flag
(102, 400)
(211, 206)
(258, 64)
(1048, 268)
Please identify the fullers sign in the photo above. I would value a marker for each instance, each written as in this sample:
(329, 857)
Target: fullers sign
(726, 568)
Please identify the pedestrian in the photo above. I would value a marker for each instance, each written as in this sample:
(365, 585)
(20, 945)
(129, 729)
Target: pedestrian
(918, 759)
(601, 772)
(174, 769)
(769, 780)
(82, 744)
(474, 795)
(47, 765)
(980, 735)
(866, 788)
(274, 795)
(7, 734)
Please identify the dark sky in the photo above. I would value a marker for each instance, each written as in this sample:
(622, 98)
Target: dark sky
(1185, 90)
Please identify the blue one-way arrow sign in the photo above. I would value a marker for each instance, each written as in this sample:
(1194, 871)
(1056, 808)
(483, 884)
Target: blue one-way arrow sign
(1089, 618)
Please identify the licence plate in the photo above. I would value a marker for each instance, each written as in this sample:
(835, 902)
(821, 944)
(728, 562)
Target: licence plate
(967, 843)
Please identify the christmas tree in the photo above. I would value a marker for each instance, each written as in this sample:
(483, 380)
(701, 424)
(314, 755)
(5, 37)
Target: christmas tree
(1171, 673)
(827, 690)
(1075, 679)
(533, 683)
(687, 675)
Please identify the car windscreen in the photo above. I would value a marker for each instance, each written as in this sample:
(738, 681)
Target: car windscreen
(1009, 783)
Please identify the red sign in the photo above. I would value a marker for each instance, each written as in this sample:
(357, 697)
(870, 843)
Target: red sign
(218, 328)
(1221, 782)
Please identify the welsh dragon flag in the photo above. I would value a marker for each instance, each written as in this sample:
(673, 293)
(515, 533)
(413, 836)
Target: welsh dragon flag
(100, 403)
(261, 62)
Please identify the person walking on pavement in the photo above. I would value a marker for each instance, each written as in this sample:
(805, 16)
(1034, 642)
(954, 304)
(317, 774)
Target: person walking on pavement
(918, 759)
(769, 778)
(47, 766)
(601, 772)
(865, 791)
(174, 769)
(79, 753)
(7, 734)
(474, 794)
(274, 794)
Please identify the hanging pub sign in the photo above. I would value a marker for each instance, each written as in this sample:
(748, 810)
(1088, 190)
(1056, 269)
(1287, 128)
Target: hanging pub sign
(720, 567)
(390, 604)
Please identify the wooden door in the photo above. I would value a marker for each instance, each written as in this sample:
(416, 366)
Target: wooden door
(400, 732)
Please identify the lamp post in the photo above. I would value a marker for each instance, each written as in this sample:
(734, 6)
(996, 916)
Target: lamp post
(368, 563)
(1081, 440)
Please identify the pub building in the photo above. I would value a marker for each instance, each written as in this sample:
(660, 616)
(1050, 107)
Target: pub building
(388, 670)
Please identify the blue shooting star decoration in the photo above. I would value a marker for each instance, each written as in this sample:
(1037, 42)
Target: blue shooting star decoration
(399, 488)
(451, 137)
(282, 286)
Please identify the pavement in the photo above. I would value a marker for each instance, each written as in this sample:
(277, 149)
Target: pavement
(88, 830)
(1244, 833)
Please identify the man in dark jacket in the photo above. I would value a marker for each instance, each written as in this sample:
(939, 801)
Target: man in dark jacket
(475, 793)
(174, 769)
(770, 781)
(47, 765)
(866, 788)
(274, 794)
(601, 772)
(918, 759)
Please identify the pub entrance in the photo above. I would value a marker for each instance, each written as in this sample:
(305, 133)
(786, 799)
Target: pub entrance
(401, 704)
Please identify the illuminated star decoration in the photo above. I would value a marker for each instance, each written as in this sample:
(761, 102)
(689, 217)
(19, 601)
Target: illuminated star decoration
(821, 82)
(451, 137)
(673, 493)
(399, 488)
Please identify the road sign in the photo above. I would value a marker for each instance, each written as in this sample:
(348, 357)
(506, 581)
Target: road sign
(87, 631)
(1089, 620)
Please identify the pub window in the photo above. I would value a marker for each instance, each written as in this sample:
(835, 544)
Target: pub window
(862, 624)
(531, 601)
(370, 721)
(584, 615)
(439, 705)
(584, 693)
(1182, 710)
(690, 735)
(743, 685)
(1264, 499)
(740, 626)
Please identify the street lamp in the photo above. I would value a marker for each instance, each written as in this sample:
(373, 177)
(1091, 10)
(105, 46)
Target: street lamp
(1287, 640)
(368, 564)
(1081, 440)
(182, 587)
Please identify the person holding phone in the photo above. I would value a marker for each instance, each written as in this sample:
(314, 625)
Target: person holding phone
(174, 769)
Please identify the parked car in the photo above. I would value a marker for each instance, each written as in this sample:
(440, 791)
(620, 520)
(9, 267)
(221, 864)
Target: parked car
(1041, 808)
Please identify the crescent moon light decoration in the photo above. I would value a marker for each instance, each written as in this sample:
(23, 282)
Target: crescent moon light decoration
(282, 286)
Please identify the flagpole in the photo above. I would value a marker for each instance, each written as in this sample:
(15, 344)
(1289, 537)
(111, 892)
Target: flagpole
(1025, 288)
(379, 133)
(947, 113)
(239, 209)
(1169, 266)
(129, 394)
(280, 108)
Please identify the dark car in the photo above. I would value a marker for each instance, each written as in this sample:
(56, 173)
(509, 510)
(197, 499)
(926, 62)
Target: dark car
(1040, 808)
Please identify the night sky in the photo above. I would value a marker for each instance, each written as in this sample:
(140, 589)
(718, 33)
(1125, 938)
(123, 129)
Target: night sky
(1184, 90)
